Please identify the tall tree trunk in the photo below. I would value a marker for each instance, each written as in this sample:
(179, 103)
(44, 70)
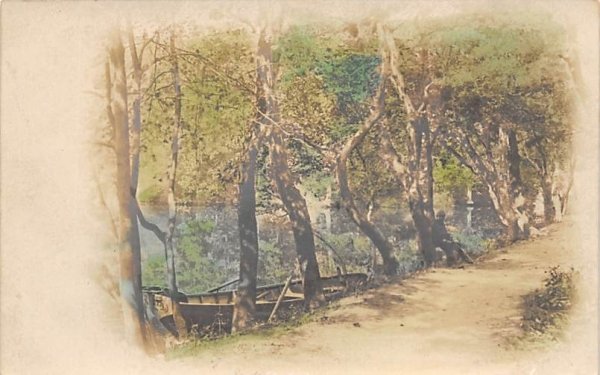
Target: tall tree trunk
(245, 303)
(135, 144)
(495, 166)
(172, 172)
(514, 162)
(421, 214)
(171, 197)
(417, 176)
(548, 198)
(423, 225)
(136, 128)
(129, 241)
(291, 198)
(511, 187)
(364, 224)
(295, 205)
(564, 194)
(421, 194)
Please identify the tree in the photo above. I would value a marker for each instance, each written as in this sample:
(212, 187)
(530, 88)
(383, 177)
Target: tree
(335, 128)
(245, 303)
(128, 235)
(166, 237)
(497, 69)
(422, 127)
(376, 112)
(284, 181)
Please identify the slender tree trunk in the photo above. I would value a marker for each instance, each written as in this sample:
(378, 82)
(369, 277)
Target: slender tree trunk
(295, 205)
(366, 226)
(245, 303)
(564, 196)
(327, 212)
(136, 128)
(172, 278)
(135, 145)
(549, 210)
(514, 162)
(503, 203)
(171, 197)
(420, 213)
(417, 176)
(283, 179)
(423, 225)
(421, 196)
(128, 234)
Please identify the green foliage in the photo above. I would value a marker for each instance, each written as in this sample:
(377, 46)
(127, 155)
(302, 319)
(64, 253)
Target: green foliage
(271, 269)
(298, 50)
(408, 256)
(197, 270)
(352, 79)
(451, 176)
(472, 243)
(216, 75)
(154, 271)
(318, 183)
(354, 251)
(326, 83)
(548, 307)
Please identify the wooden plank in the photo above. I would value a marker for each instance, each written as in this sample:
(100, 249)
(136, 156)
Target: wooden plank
(285, 288)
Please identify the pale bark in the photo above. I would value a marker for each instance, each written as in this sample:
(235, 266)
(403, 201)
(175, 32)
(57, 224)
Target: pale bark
(172, 172)
(292, 199)
(128, 236)
(366, 226)
(493, 166)
(417, 175)
(418, 208)
(171, 194)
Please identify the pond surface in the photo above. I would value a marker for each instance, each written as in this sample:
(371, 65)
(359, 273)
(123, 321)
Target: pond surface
(220, 243)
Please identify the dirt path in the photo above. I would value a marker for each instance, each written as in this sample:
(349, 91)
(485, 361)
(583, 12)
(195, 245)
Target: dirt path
(443, 321)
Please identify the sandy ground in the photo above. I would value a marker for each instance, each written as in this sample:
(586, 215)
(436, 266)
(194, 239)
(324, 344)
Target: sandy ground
(445, 321)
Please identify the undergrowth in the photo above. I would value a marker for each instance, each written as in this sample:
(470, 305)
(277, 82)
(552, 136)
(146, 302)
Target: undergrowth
(546, 310)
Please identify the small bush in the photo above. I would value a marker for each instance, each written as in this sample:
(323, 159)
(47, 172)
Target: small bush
(472, 243)
(547, 308)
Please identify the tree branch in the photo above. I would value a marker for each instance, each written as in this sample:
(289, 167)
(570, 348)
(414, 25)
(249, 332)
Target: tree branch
(392, 159)
(162, 236)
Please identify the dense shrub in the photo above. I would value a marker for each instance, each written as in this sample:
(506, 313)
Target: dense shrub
(547, 308)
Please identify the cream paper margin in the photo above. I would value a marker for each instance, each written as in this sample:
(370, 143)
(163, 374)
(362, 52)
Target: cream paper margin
(54, 318)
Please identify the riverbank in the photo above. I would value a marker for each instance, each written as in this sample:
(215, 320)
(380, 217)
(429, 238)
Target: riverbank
(458, 320)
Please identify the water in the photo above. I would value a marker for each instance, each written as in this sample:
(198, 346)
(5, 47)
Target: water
(220, 244)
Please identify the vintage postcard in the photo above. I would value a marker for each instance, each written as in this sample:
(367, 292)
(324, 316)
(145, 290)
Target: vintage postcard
(286, 187)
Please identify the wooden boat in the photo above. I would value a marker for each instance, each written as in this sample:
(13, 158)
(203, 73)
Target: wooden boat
(215, 307)
(220, 316)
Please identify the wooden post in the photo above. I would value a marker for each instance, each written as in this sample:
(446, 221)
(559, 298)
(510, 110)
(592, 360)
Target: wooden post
(285, 288)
